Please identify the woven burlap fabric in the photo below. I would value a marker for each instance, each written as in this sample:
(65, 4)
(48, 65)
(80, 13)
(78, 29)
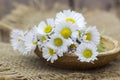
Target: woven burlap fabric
(14, 66)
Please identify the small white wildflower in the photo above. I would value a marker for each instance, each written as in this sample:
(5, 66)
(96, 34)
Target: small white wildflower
(17, 41)
(65, 29)
(49, 53)
(71, 16)
(92, 35)
(60, 43)
(31, 40)
(46, 28)
(86, 52)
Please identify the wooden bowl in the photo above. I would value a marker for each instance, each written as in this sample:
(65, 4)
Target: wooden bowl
(69, 61)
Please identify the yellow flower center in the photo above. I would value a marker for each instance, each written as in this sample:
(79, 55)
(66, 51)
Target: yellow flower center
(34, 43)
(43, 38)
(87, 53)
(58, 42)
(88, 36)
(48, 29)
(72, 46)
(70, 20)
(51, 51)
(19, 39)
(66, 32)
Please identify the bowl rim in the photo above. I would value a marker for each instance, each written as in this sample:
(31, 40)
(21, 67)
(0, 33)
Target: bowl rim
(116, 48)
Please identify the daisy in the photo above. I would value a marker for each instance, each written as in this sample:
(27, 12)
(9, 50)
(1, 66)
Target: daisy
(31, 40)
(17, 41)
(92, 35)
(78, 36)
(60, 43)
(22, 48)
(49, 53)
(42, 39)
(46, 28)
(65, 29)
(71, 16)
(86, 52)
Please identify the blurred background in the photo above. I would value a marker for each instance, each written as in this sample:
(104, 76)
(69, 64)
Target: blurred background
(23, 14)
(108, 5)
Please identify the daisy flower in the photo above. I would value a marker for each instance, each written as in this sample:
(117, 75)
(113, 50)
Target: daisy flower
(46, 28)
(92, 35)
(17, 41)
(71, 16)
(42, 39)
(65, 29)
(31, 40)
(49, 53)
(60, 43)
(86, 52)
(78, 36)
(22, 48)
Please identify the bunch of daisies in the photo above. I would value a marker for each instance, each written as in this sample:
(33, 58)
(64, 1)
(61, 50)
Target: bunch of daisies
(66, 34)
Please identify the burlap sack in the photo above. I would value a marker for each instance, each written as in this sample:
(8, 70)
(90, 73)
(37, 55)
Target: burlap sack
(14, 66)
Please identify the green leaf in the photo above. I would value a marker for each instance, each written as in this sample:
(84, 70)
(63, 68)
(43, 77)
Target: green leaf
(101, 48)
